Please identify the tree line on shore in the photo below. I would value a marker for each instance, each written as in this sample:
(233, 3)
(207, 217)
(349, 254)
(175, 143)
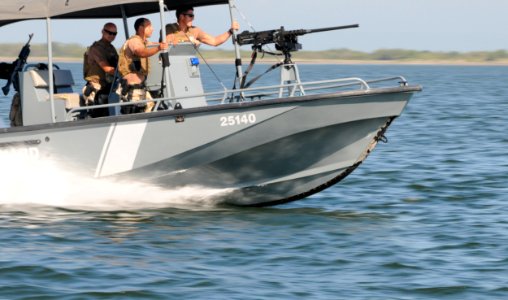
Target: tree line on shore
(75, 51)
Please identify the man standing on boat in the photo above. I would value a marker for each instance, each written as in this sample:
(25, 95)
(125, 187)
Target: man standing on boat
(134, 66)
(99, 67)
(183, 31)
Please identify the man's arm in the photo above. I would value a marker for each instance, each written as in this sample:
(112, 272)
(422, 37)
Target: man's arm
(218, 40)
(142, 51)
(205, 38)
(100, 59)
(106, 67)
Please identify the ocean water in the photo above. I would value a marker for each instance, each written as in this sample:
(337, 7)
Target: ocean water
(424, 217)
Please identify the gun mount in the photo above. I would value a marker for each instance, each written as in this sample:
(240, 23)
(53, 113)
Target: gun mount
(285, 41)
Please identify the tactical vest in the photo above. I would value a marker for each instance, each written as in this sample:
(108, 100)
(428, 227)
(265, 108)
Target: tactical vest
(180, 36)
(92, 71)
(133, 64)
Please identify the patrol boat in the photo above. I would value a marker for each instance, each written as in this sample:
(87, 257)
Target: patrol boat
(265, 144)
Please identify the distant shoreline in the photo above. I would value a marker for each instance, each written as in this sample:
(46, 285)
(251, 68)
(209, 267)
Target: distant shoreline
(373, 62)
(307, 61)
(74, 53)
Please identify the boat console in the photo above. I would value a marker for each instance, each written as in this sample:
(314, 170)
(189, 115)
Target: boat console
(184, 76)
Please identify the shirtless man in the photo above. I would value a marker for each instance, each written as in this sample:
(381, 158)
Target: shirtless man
(184, 31)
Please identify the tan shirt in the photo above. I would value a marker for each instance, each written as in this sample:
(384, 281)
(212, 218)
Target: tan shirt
(131, 47)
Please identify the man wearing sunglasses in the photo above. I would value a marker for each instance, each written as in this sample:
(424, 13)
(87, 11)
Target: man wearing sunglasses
(100, 61)
(184, 31)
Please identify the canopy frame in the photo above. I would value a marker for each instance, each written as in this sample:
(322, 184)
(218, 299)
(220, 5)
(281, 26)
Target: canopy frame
(103, 9)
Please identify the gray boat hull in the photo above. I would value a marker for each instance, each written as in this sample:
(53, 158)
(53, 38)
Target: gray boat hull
(263, 152)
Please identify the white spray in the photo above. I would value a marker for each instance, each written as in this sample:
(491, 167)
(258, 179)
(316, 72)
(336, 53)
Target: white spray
(26, 180)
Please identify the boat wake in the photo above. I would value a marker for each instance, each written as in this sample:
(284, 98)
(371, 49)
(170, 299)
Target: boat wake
(26, 181)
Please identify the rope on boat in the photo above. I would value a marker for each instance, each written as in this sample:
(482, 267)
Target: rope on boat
(208, 65)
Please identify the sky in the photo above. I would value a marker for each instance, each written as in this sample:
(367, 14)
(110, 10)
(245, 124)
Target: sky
(433, 25)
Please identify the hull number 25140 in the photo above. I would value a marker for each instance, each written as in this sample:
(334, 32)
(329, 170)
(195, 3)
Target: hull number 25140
(236, 120)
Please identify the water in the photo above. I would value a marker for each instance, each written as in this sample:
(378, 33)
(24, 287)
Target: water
(424, 217)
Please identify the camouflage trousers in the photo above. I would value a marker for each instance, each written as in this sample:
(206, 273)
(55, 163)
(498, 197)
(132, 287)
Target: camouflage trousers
(135, 93)
(89, 92)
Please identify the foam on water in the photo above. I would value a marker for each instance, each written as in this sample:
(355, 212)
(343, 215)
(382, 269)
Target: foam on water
(28, 181)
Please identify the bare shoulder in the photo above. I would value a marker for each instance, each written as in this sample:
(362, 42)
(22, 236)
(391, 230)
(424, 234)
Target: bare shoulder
(171, 28)
(196, 31)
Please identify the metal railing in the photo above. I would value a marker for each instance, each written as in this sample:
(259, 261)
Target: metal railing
(256, 93)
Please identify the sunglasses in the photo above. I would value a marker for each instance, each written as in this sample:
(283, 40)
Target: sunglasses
(189, 15)
(110, 32)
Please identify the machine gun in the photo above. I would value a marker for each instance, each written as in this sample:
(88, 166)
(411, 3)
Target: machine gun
(18, 66)
(285, 41)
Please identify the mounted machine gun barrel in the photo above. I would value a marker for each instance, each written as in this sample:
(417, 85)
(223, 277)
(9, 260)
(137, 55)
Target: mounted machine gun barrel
(285, 41)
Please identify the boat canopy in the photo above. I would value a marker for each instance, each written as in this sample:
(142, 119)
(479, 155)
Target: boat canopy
(16, 10)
